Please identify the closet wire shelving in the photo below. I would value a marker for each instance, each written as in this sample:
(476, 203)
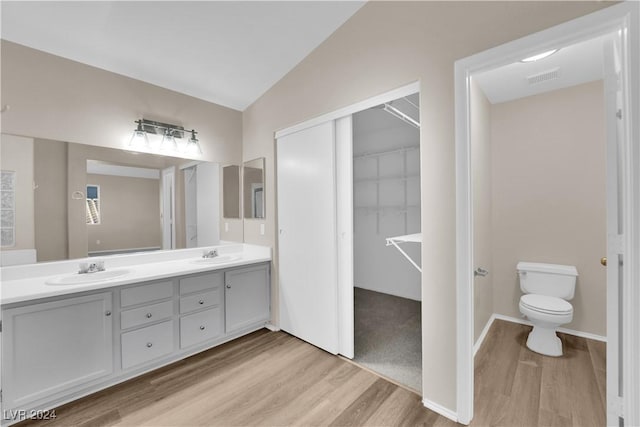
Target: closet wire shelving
(381, 210)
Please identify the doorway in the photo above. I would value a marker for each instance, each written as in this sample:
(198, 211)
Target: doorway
(620, 193)
(386, 199)
(315, 167)
(539, 195)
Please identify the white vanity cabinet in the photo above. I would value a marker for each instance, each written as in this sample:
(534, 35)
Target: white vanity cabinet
(54, 347)
(144, 339)
(201, 309)
(246, 297)
(58, 349)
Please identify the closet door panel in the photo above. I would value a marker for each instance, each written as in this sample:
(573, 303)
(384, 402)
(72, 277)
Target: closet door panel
(307, 235)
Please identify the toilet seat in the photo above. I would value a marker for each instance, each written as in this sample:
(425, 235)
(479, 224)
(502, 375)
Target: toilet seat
(546, 304)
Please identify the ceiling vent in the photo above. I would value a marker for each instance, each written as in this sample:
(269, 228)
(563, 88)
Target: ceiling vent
(545, 76)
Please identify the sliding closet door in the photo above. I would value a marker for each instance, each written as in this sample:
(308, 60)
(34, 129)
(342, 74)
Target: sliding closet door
(307, 254)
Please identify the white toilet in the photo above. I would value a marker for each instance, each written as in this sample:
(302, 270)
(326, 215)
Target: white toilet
(547, 288)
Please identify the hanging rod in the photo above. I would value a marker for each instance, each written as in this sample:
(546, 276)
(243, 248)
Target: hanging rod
(411, 103)
(402, 116)
(383, 153)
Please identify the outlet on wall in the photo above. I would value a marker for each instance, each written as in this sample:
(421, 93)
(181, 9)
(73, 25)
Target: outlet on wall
(262, 229)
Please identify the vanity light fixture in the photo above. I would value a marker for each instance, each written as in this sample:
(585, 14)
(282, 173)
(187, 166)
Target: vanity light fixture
(164, 138)
(139, 138)
(539, 56)
(193, 145)
(169, 144)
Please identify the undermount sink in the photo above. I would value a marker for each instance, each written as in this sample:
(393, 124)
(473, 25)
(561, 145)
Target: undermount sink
(83, 279)
(221, 259)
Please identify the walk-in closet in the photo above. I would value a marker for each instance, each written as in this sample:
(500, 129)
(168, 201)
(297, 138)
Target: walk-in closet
(387, 277)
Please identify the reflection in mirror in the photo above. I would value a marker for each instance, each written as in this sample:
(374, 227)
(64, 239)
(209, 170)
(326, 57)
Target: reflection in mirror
(253, 188)
(122, 208)
(231, 191)
(90, 200)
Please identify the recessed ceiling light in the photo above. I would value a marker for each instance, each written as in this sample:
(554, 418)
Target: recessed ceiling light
(540, 56)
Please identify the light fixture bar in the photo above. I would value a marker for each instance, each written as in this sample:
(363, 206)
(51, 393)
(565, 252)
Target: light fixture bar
(169, 133)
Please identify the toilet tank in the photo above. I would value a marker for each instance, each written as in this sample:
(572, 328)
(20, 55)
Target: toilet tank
(548, 279)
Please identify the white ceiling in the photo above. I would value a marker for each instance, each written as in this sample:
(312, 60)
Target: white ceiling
(576, 64)
(226, 52)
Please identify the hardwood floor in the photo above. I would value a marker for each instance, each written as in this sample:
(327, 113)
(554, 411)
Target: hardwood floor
(517, 387)
(273, 379)
(265, 378)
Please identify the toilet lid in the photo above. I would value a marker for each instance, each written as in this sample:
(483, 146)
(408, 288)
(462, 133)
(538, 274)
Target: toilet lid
(546, 304)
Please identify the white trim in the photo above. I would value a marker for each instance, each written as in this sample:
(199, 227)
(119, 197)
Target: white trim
(441, 410)
(483, 334)
(523, 321)
(190, 164)
(272, 327)
(344, 224)
(352, 109)
(592, 25)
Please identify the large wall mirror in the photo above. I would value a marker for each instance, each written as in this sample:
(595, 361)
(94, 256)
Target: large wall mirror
(253, 189)
(93, 201)
(231, 192)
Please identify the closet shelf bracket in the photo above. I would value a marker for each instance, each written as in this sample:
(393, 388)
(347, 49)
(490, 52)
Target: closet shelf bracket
(409, 238)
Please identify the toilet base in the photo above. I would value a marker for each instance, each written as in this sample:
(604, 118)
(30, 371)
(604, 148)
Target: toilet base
(544, 340)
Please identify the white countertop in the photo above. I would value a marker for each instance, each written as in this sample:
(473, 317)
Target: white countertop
(28, 282)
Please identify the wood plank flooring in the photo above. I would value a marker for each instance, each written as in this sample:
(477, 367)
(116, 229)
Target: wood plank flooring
(517, 387)
(274, 379)
(265, 378)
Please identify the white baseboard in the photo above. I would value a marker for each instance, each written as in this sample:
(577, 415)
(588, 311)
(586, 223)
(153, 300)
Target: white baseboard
(483, 334)
(439, 409)
(272, 327)
(522, 321)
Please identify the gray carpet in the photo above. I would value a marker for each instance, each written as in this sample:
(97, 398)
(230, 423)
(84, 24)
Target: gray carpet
(388, 336)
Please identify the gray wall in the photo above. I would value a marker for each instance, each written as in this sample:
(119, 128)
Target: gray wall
(129, 214)
(50, 175)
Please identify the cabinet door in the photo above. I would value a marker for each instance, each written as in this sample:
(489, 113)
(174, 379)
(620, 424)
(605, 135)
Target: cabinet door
(247, 297)
(54, 347)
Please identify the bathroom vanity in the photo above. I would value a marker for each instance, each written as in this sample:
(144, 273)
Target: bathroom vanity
(63, 341)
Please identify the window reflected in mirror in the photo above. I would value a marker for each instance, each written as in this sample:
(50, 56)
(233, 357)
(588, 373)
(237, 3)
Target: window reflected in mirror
(93, 204)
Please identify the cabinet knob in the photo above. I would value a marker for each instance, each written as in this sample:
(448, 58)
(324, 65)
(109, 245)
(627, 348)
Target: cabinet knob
(202, 327)
(108, 313)
(149, 345)
(201, 302)
(228, 286)
(149, 315)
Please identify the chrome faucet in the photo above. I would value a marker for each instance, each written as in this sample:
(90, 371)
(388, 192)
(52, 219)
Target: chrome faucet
(210, 254)
(91, 267)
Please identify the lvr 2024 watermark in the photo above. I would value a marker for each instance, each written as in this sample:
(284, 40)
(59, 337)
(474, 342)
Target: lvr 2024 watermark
(23, 414)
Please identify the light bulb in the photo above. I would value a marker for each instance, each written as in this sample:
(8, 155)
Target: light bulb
(193, 146)
(169, 143)
(139, 138)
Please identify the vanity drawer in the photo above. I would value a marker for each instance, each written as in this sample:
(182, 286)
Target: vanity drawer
(200, 283)
(202, 300)
(147, 314)
(146, 293)
(146, 344)
(200, 327)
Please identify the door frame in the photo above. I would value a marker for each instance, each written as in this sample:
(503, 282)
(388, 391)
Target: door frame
(168, 207)
(623, 16)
